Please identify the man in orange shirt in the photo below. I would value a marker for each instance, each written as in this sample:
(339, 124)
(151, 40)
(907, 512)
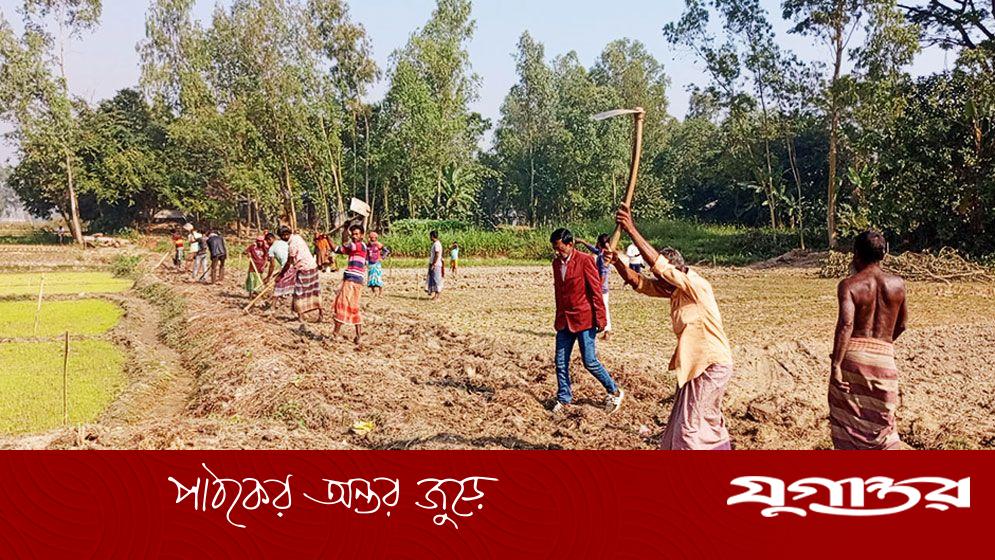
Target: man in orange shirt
(703, 358)
(323, 252)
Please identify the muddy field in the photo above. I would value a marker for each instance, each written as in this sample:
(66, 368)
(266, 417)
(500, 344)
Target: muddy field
(474, 370)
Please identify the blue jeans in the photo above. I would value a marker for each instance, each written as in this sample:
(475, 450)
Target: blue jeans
(564, 347)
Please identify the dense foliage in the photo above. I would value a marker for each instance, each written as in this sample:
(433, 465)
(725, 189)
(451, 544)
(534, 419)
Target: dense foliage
(261, 115)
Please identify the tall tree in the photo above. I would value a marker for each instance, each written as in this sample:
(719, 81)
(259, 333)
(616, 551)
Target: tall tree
(34, 90)
(833, 21)
(888, 45)
(123, 152)
(351, 71)
(743, 65)
(590, 156)
(426, 112)
(955, 24)
(526, 132)
(639, 80)
(261, 97)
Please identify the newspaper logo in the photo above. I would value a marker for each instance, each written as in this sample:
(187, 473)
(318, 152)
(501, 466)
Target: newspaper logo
(853, 497)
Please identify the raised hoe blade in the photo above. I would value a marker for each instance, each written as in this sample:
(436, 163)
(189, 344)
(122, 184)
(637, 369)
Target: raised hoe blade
(613, 113)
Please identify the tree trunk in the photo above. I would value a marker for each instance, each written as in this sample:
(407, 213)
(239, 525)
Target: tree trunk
(238, 219)
(793, 161)
(75, 226)
(336, 178)
(366, 158)
(324, 205)
(386, 202)
(771, 202)
(412, 211)
(834, 125)
(322, 192)
(336, 171)
(438, 194)
(291, 211)
(355, 133)
(338, 165)
(533, 204)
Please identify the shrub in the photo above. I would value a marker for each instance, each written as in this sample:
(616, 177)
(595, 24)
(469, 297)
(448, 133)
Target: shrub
(125, 265)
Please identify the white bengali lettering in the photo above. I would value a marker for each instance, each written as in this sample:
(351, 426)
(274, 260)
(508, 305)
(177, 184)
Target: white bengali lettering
(849, 496)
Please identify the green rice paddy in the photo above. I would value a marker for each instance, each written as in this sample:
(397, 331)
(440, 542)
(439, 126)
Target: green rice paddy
(31, 383)
(61, 283)
(31, 378)
(86, 317)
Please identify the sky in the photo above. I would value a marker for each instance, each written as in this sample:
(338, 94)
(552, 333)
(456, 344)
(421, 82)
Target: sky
(106, 60)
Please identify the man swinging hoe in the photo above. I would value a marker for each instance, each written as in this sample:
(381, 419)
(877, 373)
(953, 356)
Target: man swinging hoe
(703, 357)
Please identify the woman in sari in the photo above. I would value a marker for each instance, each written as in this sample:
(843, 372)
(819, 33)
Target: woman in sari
(323, 252)
(257, 262)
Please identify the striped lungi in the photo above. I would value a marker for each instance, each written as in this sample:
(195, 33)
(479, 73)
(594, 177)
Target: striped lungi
(864, 418)
(307, 291)
(374, 275)
(347, 304)
(285, 283)
(696, 420)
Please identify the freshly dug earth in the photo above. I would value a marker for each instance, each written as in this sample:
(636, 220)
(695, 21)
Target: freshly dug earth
(474, 370)
(780, 322)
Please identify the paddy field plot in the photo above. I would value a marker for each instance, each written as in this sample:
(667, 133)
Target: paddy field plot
(85, 317)
(61, 283)
(31, 383)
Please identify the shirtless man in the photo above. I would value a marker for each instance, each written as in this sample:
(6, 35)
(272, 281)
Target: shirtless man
(863, 382)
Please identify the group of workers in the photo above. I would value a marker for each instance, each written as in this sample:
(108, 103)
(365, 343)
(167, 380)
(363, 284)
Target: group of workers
(284, 266)
(863, 381)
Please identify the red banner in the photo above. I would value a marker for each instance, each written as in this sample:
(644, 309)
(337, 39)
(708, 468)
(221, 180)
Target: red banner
(492, 504)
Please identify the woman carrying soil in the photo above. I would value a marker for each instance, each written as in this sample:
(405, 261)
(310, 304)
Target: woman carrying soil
(347, 311)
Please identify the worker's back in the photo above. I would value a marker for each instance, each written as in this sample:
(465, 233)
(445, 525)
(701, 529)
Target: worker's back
(878, 298)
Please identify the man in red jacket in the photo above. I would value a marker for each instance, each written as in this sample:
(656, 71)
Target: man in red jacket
(580, 315)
